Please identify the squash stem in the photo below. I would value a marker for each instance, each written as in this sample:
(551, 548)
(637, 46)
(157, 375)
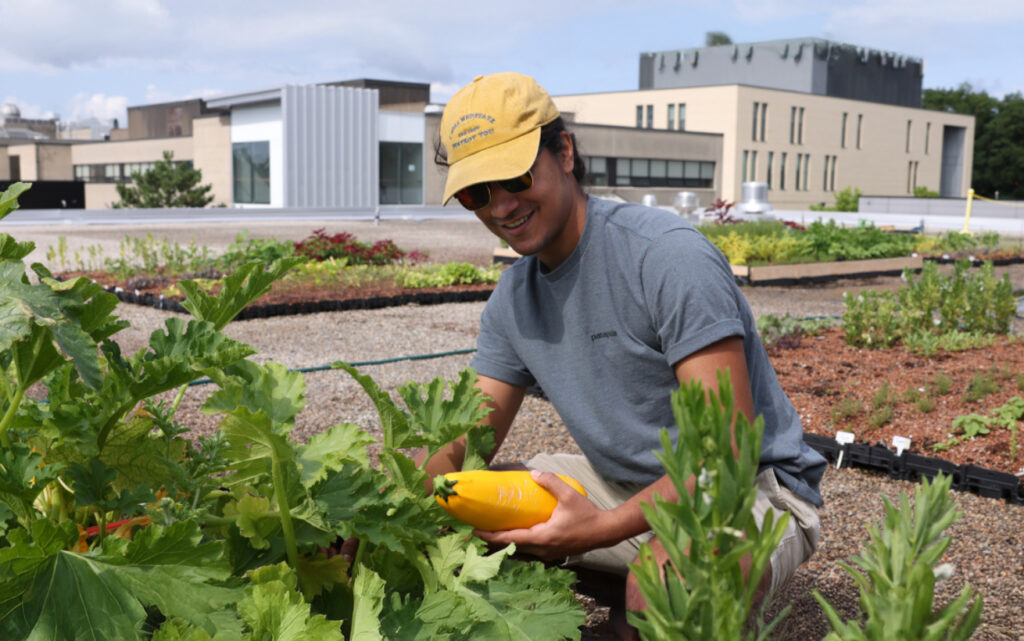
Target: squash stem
(5, 425)
(287, 528)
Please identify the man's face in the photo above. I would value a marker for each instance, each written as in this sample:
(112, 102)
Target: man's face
(535, 221)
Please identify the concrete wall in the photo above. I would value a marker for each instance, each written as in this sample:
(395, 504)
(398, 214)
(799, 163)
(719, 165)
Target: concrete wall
(879, 166)
(29, 156)
(211, 142)
(150, 150)
(54, 162)
(101, 195)
(5, 164)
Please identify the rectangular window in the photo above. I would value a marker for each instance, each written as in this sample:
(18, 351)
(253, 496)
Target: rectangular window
(746, 160)
(753, 165)
(651, 172)
(251, 172)
(927, 135)
(792, 125)
(915, 175)
(807, 169)
(908, 135)
(800, 128)
(639, 116)
(753, 131)
(597, 170)
(832, 176)
(650, 116)
(842, 132)
(764, 116)
(782, 171)
(860, 123)
(768, 173)
(682, 116)
(401, 173)
(14, 164)
(910, 169)
(799, 162)
(824, 180)
(671, 116)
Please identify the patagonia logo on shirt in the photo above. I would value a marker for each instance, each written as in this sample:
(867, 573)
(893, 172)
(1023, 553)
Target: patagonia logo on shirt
(600, 335)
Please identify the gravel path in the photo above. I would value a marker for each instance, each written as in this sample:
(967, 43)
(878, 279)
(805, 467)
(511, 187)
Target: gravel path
(988, 542)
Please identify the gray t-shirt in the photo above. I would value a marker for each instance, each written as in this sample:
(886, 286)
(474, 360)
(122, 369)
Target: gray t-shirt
(600, 334)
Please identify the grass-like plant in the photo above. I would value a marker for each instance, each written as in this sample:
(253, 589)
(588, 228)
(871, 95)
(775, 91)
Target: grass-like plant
(981, 385)
(943, 383)
(897, 572)
(707, 533)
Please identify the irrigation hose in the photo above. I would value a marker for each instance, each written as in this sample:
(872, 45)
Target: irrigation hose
(385, 361)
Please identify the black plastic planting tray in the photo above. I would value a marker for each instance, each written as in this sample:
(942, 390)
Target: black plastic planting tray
(910, 466)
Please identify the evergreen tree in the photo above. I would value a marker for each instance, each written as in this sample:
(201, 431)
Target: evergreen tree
(716, 38)
(165, 185)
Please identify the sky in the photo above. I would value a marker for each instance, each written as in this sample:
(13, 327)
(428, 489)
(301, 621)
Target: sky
(76, 59)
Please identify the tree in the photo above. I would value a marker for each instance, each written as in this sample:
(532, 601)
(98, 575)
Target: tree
(715, 38)
(998, 136)
(168, 184)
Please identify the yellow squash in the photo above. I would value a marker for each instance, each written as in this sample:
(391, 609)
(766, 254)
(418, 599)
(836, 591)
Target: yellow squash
(497, 500)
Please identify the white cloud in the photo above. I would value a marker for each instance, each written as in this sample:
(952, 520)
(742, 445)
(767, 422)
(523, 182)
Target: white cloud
(441, 92)
(155, 94)
(104, 108)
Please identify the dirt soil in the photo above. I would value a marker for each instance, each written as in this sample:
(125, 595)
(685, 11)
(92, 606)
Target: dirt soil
(827, 380)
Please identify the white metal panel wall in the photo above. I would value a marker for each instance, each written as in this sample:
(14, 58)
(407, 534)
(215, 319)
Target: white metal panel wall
(262, 123)
(331, 147)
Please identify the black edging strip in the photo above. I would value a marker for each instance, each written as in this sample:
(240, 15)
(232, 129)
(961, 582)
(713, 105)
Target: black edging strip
(913, 467)
(312, 307)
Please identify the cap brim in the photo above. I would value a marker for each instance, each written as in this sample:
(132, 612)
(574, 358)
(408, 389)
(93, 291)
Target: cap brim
(503, 161)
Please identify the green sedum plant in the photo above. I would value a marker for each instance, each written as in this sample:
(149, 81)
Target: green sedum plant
(707, 533)
(897, 572)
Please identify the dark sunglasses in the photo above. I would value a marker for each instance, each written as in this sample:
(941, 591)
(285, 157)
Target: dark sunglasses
(478, 196)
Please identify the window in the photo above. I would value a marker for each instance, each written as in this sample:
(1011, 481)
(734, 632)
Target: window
(800, 128)
(908, 135)
(927, 135)
(842, 133)
(650, 116)
(116, 172)
(910, 169)
(682, 116)
(807, 169)
(753, 165)
(768, 175)
(860, 122)
(671, 116)
(639, 116)
(792, 125)
(915, 174)
(824, 181)
(650, 172)
(832, 176)
(782, 171)
(746, 160)
(597, 170)
(14, 164)
(764, 115)
(753, 133)
(251, 172)
(799, 162)
(401, 173)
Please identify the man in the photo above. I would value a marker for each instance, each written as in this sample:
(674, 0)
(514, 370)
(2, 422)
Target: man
(612, 307)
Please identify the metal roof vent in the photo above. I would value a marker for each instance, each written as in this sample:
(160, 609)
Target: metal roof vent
(754, 205)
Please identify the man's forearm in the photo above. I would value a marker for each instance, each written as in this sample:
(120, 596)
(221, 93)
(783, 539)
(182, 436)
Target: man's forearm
(628, 520)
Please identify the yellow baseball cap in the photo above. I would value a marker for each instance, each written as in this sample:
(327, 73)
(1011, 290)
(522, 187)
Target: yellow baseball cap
(490, 129)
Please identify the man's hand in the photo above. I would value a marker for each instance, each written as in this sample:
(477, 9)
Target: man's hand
(576, 525)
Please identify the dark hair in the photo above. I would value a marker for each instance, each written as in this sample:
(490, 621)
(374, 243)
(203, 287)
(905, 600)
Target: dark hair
(550, 138)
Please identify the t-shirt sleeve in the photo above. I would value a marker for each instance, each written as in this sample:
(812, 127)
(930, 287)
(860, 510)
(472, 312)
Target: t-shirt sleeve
(690, 293)
(496, 356)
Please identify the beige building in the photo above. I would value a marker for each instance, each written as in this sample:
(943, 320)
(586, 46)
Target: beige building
(804, 146)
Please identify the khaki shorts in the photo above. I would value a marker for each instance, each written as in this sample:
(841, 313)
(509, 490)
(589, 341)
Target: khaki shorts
(798, 543)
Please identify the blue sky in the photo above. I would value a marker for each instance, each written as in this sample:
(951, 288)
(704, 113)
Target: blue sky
(90, 58)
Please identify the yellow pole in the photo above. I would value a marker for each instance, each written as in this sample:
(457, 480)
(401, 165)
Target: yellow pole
(967, 216)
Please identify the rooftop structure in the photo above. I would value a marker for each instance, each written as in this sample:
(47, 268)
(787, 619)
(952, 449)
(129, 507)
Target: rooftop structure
(805, 65)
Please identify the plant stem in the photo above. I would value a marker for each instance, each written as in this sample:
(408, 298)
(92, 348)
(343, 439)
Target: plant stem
(177, 399)
(287, 528)
(5, 425)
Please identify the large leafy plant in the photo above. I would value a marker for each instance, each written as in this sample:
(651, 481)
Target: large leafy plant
(114, 525)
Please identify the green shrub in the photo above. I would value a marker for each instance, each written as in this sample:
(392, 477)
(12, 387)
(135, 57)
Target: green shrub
(980, 386)
(923, 192)
(943, 383)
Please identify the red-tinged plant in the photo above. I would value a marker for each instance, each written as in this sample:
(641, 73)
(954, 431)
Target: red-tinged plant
(719, 212)
(320, 246)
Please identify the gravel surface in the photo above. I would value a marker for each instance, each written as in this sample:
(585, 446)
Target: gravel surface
(988, 542)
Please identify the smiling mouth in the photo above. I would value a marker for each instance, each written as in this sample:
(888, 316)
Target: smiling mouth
(517, 223)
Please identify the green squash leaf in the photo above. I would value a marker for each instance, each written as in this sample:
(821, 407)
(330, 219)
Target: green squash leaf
(243, 286)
